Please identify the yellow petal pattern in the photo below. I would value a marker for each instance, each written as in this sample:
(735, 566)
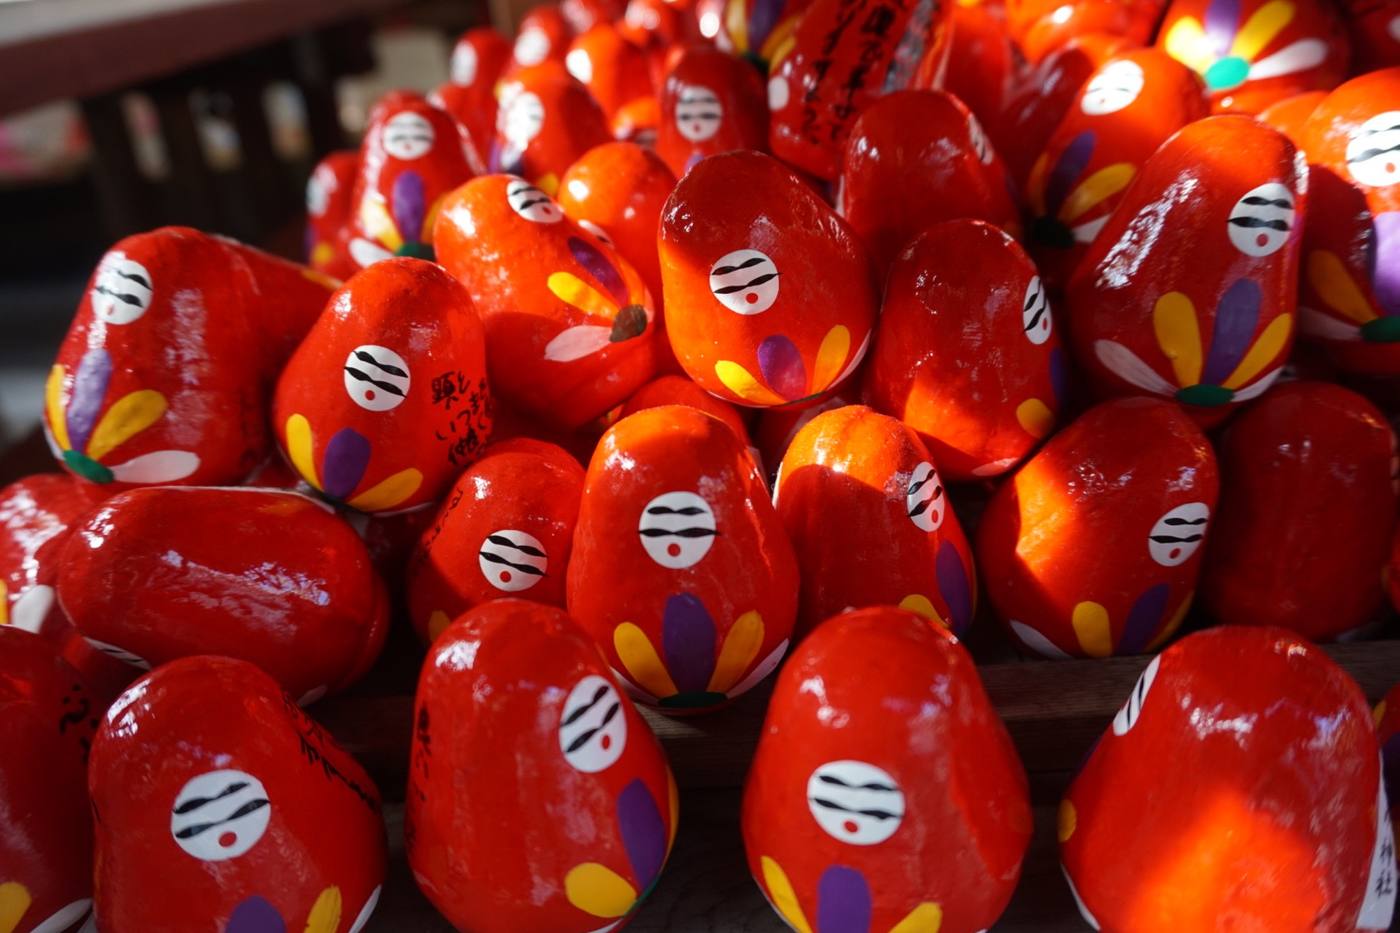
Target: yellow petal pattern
(738, 380)
(598, 890)
(1173, 623)
(1035, 417)
(1103, 184)
(325, 913)
(1188, 44)
(1269, 345)
(299, 449)
(1179, 336)
(572, 290)
(1035, 184)
(921, 605)
(740, 648)
(1378, 713)
(1329, 279)
(639, 657)
(548, 183)
(53, 401)
(131, 415)
(831, 358)
(736, 23)
(4, 603)
(780, 892)
(1090, 621)
(388, 493)
(437, 621)
(378, 225)
(926, 918)
(1261, 28)
(1068, 821)
(14, 901)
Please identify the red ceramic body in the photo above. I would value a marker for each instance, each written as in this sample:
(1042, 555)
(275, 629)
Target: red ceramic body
(1218, 799)
(583, 15)
(386, 400)
(1205, 317)
(167, 369)
(771, 294)
(1127, 108)
(1350, 287)
(1328, 452)
(966, 351)
(543, 36)
(505, 529)
(678, 390)
(1252, 54)
(1289, 116)
(267, 576)
(867, 514)
(47, 718)
(570, 327)
(329, 207)
(681, 570)
(1375, 33)
(1041, 27)
(546, 122)
(469, 93)
(551, 807)
(885, 793)
(844, 54)
(759, 30)
(220, 806)
(617, 74)
(914, 158)
(711, 102)
(981, 63)
(1093, 547)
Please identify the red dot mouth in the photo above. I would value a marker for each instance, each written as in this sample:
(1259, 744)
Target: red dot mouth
(850, 827)
(1262, 239)
(673, 549)
(369, 395)
(605, 742)
(751, 298)
(505, 576)
(227, 839)
(1175, 553)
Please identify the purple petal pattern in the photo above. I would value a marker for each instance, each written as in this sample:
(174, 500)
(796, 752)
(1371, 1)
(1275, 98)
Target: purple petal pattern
(1059, 374)
(1221, 19)
(1235, 319)
(1067, 168)
(843, 901)
(1385, 280)
(643, 832)
(762, 18)
(953, 586)
(410, 205)
(1143, 619)
(599, 266)
(780, 364)
(255, 915)
(688, 641)
(347, 458)
(89, 389)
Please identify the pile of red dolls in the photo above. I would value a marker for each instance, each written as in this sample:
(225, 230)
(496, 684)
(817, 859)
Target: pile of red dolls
(682, 344)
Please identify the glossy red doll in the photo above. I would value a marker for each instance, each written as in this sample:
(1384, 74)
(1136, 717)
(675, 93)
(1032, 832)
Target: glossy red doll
(386, 400)
(658, 27)
(329, 206)
(219, 805)
(1254, 52)
(543, 36)
(981, 63)
(678, 390)
(966, 352)
(469, 94)
(1290, 115)
(902, 807)
(868, 516)
(583, 15)
(1375, 33)
(1238, 787)
(551, 807)
(1350, 299)
(268, 576)
(546, 122)
(1042, 27)
(711, 102)
(1328, 452)
(681, 570)
(914, 158)
(505, 529)
(771, 294)
(760, 31)
(411, 158)
(1129, 106)
(167, 370)
(1093, 547)
(1189, 291)
(844, 54)
(618, 76)
(569, 323)
(47, 719)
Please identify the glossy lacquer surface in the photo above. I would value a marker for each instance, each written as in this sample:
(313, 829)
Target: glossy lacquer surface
(386, 399)
(469, 93)
(770, 296)
(1189, 292)
(679, 390)
(711, 102)
(1043, 27)
(618, 76)
(899, 808)
(268, 576)
(864, 505)
(330, 206)
(966, 350)
(1239, 786)
(47, 718)
(220, 806)
(1093, 547)
(1329, 453)
(547, 119)
(505, 529)
(166, 372)
(548, 807)
(681, 570)
(570, 325)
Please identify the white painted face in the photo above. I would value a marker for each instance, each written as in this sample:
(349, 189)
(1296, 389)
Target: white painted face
(523, 119)
(319, 188)
(593, 728)
(1261, 221)
(698, 113)
(677, 529)
(531, 47)
(980, 143)
(465, 62)
(376, 378)
(122, 291)
(120, 653)
(1112, 89)
(532, 203)
(745, 281)
(408, 135)
(924, 498)
(855, 802)
(1128, 716)
(578, 64)
(1373, 154)
(220, 815)
(1178, 534)
(512, 560)
(1035, 312)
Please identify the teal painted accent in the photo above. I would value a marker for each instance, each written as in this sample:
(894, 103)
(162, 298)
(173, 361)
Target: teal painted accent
(1227, 73)
(1205, 396)
(1381, 330)
(86, 467)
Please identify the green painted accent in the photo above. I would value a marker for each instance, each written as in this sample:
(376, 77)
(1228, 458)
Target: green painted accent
(1205, 396)
(1381, 330)
(697, 700)
(417, 251)
(1227, 73)
(86, 467)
